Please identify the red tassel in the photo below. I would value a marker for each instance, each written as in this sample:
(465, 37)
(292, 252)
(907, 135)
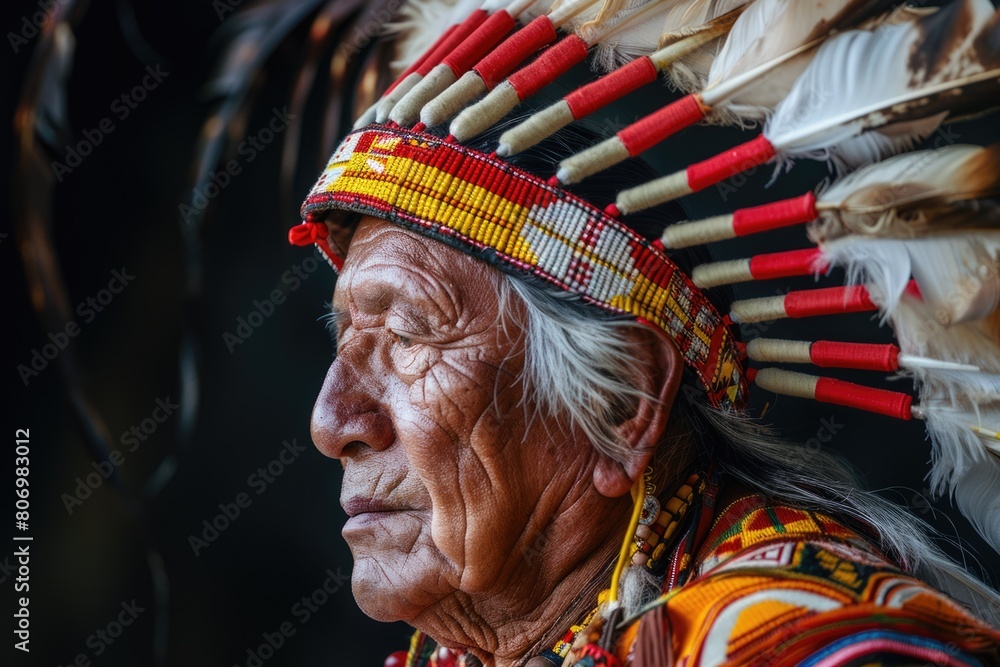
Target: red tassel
(480, 42)
(848, 394)
(600, 657)
(647, 132)
(549, 66)
(307, 233)
(784, 264)
(734, 161)
(598, 94)
(514, 50)
(777, 214)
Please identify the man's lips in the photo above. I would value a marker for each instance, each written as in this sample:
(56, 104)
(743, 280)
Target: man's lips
(360, 505)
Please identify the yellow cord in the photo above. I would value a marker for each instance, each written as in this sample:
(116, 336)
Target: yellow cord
(639, 491)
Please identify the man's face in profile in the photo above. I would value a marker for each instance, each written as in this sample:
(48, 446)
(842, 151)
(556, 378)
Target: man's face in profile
(449, 473)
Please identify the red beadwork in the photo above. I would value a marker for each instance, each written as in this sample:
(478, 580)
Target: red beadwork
(397, 659)
(600, 657)
(653, 288)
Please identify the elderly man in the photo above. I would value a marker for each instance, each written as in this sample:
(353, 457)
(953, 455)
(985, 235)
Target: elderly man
(525, 485)
(483, 514)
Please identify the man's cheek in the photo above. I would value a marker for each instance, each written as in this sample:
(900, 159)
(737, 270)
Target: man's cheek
(445, 397)
(413, 364)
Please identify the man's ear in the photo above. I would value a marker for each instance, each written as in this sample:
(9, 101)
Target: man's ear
(661, 368)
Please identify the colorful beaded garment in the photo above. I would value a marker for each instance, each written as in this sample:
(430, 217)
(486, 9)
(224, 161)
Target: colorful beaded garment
(774, 585)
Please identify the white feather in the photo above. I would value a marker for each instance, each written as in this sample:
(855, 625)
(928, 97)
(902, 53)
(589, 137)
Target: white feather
(953, 403)
(822, 117)
(962, 462)
(754, 71)
(957, 274)
(581, 12)
(920, 333)
(867, 201)
(748, 37)
(641, 38)
(690, 73)
(420, 23)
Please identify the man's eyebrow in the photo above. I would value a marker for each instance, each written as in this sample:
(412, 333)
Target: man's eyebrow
(335, 320)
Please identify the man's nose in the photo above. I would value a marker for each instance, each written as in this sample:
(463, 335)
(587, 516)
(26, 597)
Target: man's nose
(350, 409)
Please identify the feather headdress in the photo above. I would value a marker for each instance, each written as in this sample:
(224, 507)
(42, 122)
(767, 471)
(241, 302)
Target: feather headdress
(682, 47)
(767, 49)
(916, 234)
(627, 26)
(843, 110)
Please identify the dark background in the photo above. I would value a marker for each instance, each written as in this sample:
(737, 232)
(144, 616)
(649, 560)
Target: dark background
(120, 209)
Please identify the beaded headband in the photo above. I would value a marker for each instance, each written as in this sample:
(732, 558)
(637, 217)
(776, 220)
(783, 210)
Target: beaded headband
(515, 220)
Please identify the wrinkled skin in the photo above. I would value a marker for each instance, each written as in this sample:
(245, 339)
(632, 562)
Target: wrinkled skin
(472, 518)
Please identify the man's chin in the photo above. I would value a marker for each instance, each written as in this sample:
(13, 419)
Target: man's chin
(383, 593)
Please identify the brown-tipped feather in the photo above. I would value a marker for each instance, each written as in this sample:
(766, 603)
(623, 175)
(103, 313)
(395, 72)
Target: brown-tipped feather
(955, 100)
(914, 195)
(904, 99)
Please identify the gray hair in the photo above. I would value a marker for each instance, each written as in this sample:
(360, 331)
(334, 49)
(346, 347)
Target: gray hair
(579, 363)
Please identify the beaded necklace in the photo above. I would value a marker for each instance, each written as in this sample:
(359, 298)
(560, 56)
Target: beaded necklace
(654, 539)
(658, 534)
